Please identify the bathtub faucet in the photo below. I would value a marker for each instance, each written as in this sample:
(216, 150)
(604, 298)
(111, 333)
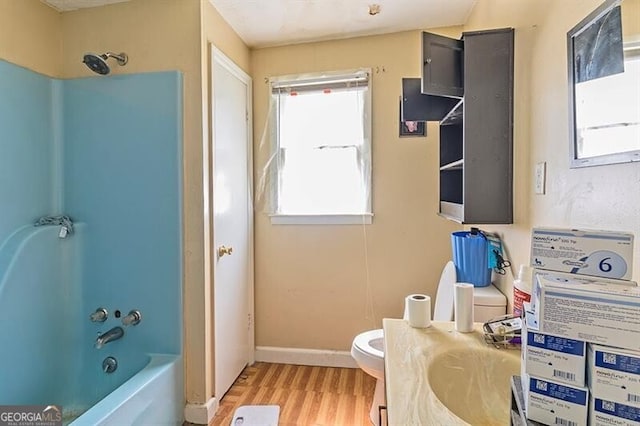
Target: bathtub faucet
(100, 315)
(114, 334)
(132, 318)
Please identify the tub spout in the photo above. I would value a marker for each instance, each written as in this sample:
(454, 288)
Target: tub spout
(114, 334)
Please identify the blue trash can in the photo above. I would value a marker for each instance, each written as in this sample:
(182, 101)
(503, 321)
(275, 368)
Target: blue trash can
(471, 257)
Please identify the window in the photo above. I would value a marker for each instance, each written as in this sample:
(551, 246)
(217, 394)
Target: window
(322, 141)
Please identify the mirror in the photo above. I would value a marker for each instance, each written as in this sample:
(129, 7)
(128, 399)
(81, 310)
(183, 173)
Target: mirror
(604, 85)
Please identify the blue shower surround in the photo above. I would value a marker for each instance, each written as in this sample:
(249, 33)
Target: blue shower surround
(26, 147)
(107, 152)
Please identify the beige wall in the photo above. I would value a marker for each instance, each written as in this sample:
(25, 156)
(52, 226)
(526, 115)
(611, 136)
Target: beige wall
(630, 19)
(317, 286)
(606, 197)
(217, 31)
(31, 36)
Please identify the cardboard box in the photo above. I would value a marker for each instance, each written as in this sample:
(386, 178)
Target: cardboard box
(596, 253)
(610, 413)
(566, 279)
(614, 374)
(553, 403)
(555, 358)
(596, 312)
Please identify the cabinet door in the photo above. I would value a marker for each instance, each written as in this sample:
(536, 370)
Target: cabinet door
(442, 66)
(418, 107)
(488, 126)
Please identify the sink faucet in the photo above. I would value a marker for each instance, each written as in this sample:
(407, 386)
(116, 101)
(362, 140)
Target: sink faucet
(114, 334)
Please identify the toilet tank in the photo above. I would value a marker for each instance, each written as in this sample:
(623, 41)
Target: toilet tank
(488, 303)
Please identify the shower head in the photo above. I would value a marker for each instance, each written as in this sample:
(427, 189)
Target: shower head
(98, 63)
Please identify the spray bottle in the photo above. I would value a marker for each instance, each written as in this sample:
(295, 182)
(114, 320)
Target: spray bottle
(522, 289)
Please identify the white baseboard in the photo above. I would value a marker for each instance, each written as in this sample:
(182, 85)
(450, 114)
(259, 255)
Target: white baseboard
(323, 358)
(201, 414)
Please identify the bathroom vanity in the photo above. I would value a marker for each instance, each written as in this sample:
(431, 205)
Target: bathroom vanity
(436, 375)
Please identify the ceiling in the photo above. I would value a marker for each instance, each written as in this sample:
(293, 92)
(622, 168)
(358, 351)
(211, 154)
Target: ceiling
(277, 22)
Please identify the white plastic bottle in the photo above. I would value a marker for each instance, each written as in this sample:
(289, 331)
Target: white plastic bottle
(521, 289)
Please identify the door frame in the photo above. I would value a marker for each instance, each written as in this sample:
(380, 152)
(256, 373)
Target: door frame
(216, 55)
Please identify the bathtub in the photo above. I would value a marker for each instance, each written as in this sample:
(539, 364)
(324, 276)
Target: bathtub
(151, 397)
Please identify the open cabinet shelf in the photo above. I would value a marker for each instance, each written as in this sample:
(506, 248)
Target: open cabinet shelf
(476, 134)
(454, 165)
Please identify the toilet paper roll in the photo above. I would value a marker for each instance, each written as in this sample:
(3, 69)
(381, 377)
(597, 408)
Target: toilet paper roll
(463, 307)
(417, 310)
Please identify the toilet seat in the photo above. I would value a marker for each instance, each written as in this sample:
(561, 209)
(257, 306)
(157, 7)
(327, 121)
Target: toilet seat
(368, 351)
(371, 342)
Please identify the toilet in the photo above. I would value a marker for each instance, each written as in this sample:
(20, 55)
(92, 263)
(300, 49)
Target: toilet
(368, 347)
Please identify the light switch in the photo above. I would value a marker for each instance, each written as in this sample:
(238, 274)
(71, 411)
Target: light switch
(541, 171)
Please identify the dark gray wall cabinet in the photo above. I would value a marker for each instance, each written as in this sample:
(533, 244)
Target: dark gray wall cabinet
(442, 65)
(416, 106)
(476, 136)
(431, 97)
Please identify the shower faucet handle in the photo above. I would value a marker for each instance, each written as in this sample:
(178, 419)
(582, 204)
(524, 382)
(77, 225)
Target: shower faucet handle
(132, 318)
(100, 315)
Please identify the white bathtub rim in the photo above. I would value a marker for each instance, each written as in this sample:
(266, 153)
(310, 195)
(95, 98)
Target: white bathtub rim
(158, 364)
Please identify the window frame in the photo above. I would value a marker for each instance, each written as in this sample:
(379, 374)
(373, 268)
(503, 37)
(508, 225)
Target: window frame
(315, 79)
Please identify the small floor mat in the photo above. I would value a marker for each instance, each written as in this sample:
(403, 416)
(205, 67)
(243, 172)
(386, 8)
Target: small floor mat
(256, 415)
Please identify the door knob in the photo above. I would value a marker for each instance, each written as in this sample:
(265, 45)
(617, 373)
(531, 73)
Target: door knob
(222, 250)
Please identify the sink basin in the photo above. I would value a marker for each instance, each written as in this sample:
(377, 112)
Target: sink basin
(473, 383)
(438, 376)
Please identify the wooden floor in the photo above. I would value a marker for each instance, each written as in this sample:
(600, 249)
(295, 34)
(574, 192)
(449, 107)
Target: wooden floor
(306, 395)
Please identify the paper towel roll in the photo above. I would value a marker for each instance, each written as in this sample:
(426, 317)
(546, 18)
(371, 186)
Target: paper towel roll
(463, 307)
(417, 310)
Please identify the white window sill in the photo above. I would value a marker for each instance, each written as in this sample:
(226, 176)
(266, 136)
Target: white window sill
(322, 219)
